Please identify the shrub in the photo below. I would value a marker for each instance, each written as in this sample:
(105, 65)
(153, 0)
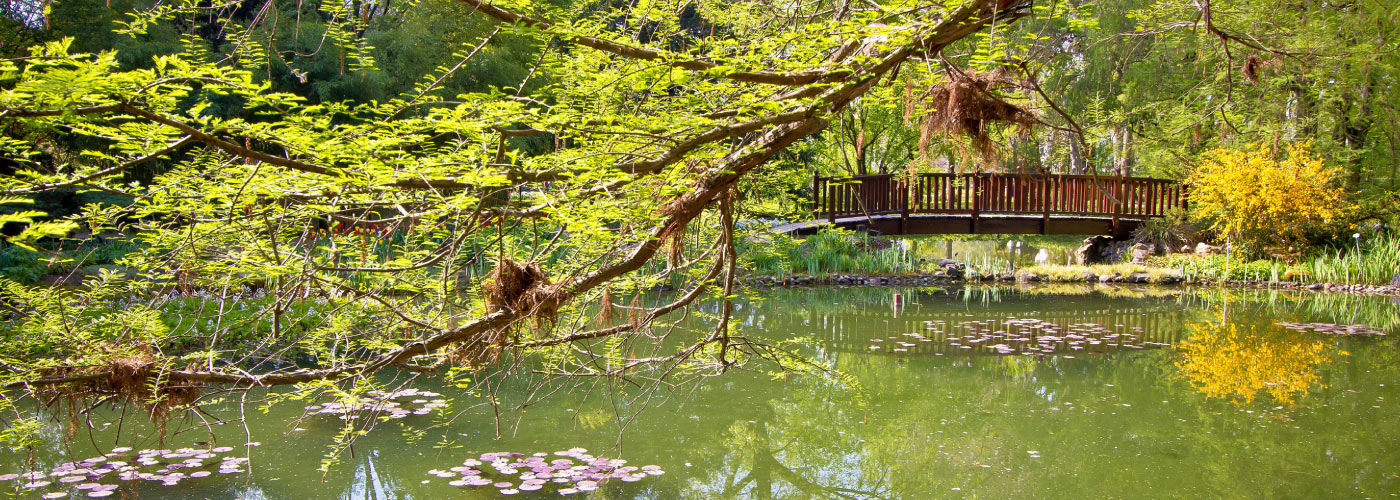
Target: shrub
(1256, 200)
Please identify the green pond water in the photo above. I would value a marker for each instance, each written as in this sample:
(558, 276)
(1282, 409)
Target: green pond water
(1145, 394)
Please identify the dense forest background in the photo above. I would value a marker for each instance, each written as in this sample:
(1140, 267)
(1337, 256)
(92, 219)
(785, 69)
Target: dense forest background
(1128, 87)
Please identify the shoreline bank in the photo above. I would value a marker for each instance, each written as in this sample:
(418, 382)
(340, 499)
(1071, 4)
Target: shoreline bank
(938, 279)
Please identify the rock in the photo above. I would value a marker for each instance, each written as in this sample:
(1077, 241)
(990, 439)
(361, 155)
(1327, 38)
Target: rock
(1030, 277)
(953, 272)
(1396, 280)
(1184, 249)
(1092, 250)
(1203, 248)
(1169, 279)
(1139, 278)
(947, 262)
(1105, 278)
(1089, 277)
(1142, 251)
(1008, 277)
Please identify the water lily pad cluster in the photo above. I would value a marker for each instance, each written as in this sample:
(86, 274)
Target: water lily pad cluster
(396, 404)
(1331, 329)
(98, 476)
(1016, 336)
(569, 471)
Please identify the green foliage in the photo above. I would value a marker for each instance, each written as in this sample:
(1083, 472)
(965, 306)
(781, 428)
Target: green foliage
(29, 265)
(21, 434)
(21, 264)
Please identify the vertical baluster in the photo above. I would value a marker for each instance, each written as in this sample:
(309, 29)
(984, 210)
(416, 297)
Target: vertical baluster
(830, 205)
(1151, 188)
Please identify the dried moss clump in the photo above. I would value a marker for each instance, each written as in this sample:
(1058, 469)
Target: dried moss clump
(519, 287)
(511, 286)
(965, 106)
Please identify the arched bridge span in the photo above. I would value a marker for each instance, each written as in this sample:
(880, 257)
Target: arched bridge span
(947, 203)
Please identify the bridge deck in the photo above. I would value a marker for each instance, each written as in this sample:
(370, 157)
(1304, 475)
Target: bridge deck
(964, 224)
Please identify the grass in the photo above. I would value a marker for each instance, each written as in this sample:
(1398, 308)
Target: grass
(1056, 272)
(1221, 267)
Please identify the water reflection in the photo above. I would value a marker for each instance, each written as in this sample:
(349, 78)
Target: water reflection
(1239, 361)
(1005, 253)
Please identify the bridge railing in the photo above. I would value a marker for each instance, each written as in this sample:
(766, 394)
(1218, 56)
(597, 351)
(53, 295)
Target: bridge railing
(974, 194)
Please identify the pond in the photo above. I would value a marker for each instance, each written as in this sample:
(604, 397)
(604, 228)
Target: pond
(1002, 253)
(1055, 391)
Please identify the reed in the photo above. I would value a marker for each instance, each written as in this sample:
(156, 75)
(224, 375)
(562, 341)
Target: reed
(1373, 261)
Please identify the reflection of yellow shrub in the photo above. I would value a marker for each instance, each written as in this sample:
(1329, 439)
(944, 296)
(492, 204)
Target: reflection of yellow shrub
(1238, 363)
(1258, 200)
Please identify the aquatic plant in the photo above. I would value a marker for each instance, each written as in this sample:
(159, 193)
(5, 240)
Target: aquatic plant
(1019, 336)
(572, 472)
(380, 402)
(1331, 329)
(94, 477)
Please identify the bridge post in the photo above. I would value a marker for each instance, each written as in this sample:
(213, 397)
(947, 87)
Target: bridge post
(831, 202)
(976, 198)
(903, 205)
(1117, 202)
(1047, 193)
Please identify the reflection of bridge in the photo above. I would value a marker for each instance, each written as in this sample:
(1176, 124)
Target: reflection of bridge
(1116, 329)
(947, 203)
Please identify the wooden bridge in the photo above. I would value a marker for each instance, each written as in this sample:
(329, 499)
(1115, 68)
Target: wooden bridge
(948, 203)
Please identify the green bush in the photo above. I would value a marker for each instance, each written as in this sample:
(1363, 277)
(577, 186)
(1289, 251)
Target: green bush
(21, 265)
(25, 266)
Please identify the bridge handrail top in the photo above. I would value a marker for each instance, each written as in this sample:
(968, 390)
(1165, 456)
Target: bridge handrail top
(992, 174)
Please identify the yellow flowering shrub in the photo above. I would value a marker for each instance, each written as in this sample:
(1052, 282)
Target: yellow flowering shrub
(1239, 363)
(1256, 200)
